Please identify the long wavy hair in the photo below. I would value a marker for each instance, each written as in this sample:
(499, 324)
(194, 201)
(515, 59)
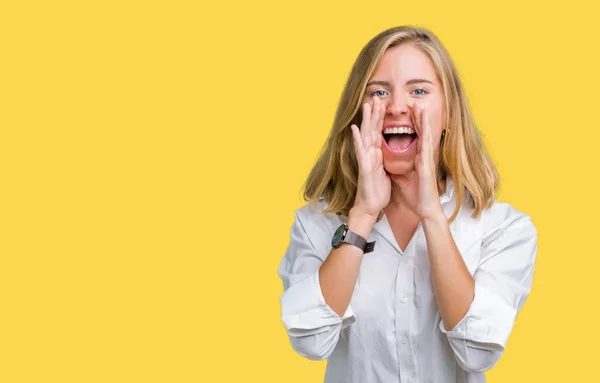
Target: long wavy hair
(334, 177)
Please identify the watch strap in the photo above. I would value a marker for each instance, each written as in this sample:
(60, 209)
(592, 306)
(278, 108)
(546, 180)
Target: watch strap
(356, 240)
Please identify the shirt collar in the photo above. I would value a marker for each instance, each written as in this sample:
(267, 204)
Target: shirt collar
(449, 192)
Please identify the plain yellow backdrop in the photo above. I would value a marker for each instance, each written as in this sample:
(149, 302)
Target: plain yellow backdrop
(152, 155)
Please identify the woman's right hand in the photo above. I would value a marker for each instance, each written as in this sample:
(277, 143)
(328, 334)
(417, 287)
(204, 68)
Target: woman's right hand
(374, 185)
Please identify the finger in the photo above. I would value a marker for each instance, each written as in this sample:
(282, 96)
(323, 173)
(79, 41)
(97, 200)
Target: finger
(378, 157)
(358, 146)
(423, 131)
(374, 119)
(425, 121)
(381, 119)
(426, 128)
(427, 148)
(357, 138)
(367, 142)
(364, 125)
(419, 117)
(376, 111)
(413, 119)
(377, 129)
(430, 148)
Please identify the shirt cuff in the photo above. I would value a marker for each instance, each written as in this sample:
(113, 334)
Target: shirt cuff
(305, 312)
(488, 322)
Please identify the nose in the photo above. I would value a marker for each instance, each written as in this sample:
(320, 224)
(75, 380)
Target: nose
(398, 105)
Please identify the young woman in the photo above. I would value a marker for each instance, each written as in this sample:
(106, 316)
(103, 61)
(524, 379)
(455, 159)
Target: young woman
(403, 267)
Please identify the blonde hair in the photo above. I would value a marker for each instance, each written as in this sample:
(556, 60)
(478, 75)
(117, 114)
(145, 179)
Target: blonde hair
(462, 155)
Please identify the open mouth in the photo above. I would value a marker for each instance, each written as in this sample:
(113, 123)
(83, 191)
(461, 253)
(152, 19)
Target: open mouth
(399, 138)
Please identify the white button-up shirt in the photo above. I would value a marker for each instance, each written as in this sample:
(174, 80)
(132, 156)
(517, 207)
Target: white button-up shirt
(392, 330)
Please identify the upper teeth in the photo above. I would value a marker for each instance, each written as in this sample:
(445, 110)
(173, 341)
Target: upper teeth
(398, 130)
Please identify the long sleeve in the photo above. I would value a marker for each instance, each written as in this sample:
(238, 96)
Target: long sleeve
(312, 326)
(503, 281)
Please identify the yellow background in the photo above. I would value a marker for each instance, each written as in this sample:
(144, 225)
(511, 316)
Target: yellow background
(152, 154)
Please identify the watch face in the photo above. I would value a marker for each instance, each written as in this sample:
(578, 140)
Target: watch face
(337, 236)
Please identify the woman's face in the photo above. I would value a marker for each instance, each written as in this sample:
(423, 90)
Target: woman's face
(405, 79)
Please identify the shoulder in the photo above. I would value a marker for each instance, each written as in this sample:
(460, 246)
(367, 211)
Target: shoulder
(313, 217)
(502, 220)
(318, 226)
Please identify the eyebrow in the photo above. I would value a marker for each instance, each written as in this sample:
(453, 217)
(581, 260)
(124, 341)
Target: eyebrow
(409, 82)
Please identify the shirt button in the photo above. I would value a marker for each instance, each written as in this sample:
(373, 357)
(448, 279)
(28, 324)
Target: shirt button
(403, 299)
(403, 340)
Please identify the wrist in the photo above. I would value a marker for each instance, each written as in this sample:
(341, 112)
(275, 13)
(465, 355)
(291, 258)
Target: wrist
(360, 222)
(436, 218)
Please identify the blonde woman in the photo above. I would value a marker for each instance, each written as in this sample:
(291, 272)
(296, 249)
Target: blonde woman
(403, 267)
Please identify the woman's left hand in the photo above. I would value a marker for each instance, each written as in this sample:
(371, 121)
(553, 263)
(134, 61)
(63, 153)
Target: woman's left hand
(419, 189)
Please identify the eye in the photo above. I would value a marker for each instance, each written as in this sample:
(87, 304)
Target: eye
(376, 94)
(423, 90)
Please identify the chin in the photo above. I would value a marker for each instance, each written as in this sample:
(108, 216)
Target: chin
(399, 167)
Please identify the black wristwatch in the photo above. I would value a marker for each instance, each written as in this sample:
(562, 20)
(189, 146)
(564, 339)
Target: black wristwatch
(344, 235)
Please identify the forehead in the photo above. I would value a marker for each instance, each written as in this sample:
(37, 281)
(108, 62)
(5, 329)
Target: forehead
(403, 62)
